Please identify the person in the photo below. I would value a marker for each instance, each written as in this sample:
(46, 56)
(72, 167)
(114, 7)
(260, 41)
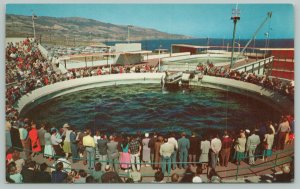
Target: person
(96, 137)
(158, 144)
(135, 152)
(146, 150)
(74, 148)
(90, 179)
(268, 141)
(67, 144)
(283, 129)
(113, 154)
(136, 176)
(34, 138)
(194, 143)
(159, 177)
(252, 142)
(240, 145)
(151, 145)
(56, 144)
(25, 140)
(15, 137)
(48, 148)
(42, 176)
(124, 155)
(66, 165)
(97, 173)
(285, 177)
(14, 175)
(197, 178)
(204, 147)
(216, 146)
(41, 134)
(89, 144)
(188, 176)
(28, 173)
(58, 176)
(166, 151)
(174, 178)
(227, 142)
(183, 148)
(81, 179)
(173, 141)
(111, 177)
(8, 142)
(19, 162)
(102, 148)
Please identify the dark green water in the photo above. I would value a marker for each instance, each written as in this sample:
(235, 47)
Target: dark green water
(131, 108)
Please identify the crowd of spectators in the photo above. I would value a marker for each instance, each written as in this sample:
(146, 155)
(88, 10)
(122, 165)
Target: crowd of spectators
(163, 152)
(271, 83)
(105, 155)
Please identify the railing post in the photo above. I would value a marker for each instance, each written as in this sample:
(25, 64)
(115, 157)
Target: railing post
(276, 161)
(252, 68)
(237, 171)
(258, 68)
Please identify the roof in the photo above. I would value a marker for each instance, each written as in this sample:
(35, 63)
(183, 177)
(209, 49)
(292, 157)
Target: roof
(277, 49)
(137, 52)
(192, 46)
(100, 46)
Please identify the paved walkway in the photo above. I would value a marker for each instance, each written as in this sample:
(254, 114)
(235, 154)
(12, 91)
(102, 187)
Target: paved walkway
(227, 174)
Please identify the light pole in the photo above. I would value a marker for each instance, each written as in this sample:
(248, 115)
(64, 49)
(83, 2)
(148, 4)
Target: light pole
(238, 45)
(159, 58)
(266, 43)
(128, 33)
(235, 17)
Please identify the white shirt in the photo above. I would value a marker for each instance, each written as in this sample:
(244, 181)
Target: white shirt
(216, 145)
(173, 141)
(55, 140)
(96, 138)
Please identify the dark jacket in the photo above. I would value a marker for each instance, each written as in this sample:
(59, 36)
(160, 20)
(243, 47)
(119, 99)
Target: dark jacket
(102, 146)
(42, 177)
(28, 175)
(58, 177)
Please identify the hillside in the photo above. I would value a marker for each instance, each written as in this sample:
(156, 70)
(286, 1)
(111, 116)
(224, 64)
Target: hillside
(79, 29)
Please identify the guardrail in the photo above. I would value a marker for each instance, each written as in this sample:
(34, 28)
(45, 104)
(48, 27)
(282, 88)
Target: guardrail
(258, 66)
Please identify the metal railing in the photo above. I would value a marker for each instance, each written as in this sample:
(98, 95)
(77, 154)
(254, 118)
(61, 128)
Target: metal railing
(279, 160)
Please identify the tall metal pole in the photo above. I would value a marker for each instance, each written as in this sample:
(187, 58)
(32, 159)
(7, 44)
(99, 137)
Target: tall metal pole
(233, 42)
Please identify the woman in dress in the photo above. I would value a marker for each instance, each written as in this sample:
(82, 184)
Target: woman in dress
(67, 143)
(48, 150)
(204, 147)
(268, 141)
(240, 146)
(146, 150)
(124, 155)
(157, 157)
(34, 138)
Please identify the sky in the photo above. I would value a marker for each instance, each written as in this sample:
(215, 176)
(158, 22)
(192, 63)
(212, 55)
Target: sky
(196, 20)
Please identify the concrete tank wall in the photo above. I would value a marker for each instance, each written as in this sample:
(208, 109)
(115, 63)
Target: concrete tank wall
(38, 96)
